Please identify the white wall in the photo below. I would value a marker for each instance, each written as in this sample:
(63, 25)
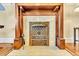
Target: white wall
(7, 18)
(50, 19)
(71, 20)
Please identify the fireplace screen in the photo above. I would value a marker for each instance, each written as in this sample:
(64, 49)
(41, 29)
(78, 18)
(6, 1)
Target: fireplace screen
(39, 30)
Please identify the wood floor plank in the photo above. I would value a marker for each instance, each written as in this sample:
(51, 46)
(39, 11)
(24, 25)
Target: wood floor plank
(5, 49)
(74, 50)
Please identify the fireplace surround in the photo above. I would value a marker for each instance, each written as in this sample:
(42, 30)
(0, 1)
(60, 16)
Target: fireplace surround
(43, 9)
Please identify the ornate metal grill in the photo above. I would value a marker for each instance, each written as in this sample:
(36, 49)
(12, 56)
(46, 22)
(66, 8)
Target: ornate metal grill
(39, 30)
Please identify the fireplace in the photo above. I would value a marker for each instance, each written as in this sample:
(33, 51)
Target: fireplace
(39, 33)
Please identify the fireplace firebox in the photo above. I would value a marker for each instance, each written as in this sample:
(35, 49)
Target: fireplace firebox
(39, 33)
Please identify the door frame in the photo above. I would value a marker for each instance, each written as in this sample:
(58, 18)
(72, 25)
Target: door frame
(57, 9)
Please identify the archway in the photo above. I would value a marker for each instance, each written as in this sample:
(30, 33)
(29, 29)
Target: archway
(21, 10)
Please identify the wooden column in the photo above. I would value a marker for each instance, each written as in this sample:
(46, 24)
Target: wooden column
(61, 41)
(61, 22)
(57, 27)
(21, 21)
(17, 26)
(18, 42)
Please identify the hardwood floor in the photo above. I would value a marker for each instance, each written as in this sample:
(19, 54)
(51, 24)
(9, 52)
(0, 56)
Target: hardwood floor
(5, 49)
(71, 49)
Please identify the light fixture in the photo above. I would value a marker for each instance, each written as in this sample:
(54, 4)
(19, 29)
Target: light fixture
(76, 9)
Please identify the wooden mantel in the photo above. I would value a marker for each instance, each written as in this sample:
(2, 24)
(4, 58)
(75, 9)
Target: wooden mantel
(56, 9)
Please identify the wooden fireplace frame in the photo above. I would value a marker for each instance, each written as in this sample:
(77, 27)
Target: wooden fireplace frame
(58, 12)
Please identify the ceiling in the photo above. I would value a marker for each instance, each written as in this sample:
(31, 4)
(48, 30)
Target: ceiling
(53, 8)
